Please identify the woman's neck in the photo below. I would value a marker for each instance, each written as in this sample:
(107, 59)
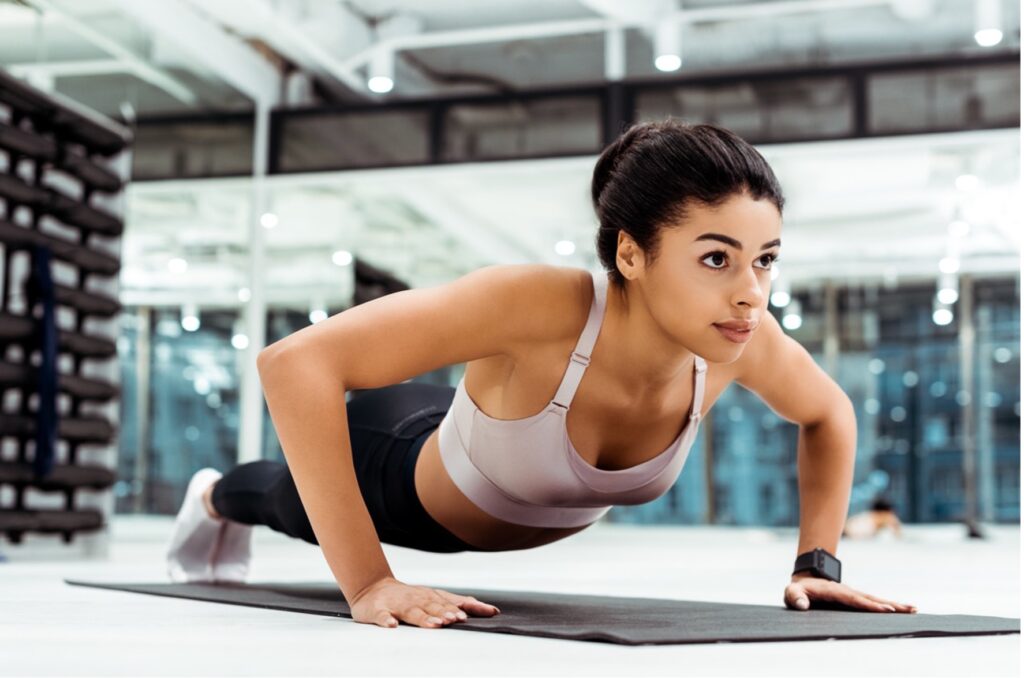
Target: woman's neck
(637, 354)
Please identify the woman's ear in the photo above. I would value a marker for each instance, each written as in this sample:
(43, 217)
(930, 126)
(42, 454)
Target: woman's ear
(628, 256)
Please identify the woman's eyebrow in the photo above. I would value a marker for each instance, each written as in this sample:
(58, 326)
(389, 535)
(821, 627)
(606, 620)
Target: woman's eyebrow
(732, 242)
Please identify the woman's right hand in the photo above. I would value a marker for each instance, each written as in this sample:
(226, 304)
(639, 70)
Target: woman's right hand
(388, 600)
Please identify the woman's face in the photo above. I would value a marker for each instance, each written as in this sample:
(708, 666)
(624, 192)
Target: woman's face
(715, 268)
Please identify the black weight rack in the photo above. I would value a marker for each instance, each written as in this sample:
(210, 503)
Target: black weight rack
(63, 170)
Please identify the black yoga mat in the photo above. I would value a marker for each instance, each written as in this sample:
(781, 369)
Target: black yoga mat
(610, 619)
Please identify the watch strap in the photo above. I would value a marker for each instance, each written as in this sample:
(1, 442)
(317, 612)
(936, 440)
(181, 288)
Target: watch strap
(814, 561)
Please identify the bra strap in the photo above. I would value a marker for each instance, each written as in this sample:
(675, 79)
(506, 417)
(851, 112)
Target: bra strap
(584, 346)
(699, 368)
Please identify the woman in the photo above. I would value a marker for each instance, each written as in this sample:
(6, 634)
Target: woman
(690, 220)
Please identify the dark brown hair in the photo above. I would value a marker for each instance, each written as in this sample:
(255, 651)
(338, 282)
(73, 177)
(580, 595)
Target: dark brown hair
(647, 178)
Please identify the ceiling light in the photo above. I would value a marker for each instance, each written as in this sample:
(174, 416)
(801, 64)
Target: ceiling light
(941, 313)
(269, 220)
(317, 311)
(668, 63)
(780, 299)
(382, 71)
(189, 318)
(667, 46)
(988, 37)
(565, 247)
(791, 317)
(947, 292)
(988, 21)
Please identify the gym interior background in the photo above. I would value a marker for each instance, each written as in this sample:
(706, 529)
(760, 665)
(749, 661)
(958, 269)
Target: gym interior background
(269, 163)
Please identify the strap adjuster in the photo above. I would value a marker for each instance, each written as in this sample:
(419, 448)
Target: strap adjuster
(580, 358)
(702, 366)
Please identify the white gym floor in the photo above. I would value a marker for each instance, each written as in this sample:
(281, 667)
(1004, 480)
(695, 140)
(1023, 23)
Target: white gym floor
(49, 628)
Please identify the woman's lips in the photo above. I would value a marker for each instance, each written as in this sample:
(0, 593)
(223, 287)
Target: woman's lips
(737, 336)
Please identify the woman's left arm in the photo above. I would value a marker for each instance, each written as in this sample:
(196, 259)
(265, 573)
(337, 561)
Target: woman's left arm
(784, 375)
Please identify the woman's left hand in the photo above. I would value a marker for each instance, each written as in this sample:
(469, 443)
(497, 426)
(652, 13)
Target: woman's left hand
(805, 589)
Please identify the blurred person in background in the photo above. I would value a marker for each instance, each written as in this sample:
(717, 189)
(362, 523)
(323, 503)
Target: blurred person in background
(869, 523)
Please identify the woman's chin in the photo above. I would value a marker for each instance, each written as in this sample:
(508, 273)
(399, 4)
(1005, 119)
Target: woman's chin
(725, 352)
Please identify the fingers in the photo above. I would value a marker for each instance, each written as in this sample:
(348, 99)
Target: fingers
(863, 601)
(822, 590)
(792, 601)
(898, 607)
(421, 617)
(794, 595)
(870, 602)
(470, 604)
(445, 611)
(385, 618)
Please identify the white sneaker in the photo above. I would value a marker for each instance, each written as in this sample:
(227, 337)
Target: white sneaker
(195, 535)
(233, 553)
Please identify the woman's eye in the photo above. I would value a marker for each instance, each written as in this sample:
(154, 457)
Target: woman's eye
(767, 260)
(715, 254)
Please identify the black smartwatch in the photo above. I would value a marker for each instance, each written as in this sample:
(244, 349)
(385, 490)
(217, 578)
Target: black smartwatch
(820, 563)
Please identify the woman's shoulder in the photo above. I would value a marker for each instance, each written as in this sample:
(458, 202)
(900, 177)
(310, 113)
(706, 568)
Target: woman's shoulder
(558, 299)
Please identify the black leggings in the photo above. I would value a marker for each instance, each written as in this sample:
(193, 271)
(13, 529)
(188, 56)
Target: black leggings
(387, 428)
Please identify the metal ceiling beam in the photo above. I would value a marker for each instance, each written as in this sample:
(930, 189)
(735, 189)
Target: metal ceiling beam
(549, 29)
(68, 69)
(631, 13)
(134, 63)
(260, 19)
(207, 43)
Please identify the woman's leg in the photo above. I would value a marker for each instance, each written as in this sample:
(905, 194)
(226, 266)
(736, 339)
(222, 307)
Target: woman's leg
(254, 494)
(387, 428)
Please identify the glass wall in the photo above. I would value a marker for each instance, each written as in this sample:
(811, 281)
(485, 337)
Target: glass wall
(189, 416)
(951, 98)
(767, 110)
(830, 102)
(902, 372)
(316, 141)
(997, 331)
(190, 148)
(537, 127)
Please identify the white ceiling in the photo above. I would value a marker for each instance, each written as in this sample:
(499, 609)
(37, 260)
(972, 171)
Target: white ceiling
(203, 55)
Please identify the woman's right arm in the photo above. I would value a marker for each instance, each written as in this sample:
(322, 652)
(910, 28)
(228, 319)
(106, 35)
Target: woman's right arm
(307, 406)
(386, 341)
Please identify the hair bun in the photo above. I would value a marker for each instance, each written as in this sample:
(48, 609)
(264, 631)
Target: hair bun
(611, 157)
(654, 171)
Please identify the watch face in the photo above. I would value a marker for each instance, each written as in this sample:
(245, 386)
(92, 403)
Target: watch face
(831, 567)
